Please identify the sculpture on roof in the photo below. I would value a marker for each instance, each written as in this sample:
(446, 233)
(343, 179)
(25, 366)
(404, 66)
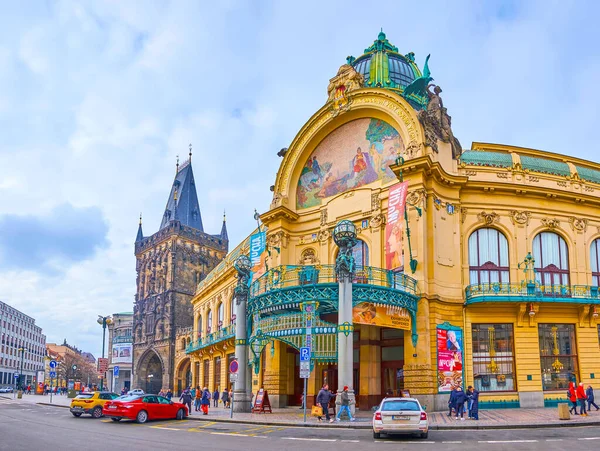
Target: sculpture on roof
(346, 81)
(419, 85)
(438, 123)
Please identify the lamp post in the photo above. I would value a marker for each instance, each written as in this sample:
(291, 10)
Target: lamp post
(243, 265)
(344, 235)
(103, 321)
(22, 351)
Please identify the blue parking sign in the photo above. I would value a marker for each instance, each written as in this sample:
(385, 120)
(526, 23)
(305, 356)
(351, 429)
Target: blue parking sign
(305, 354)
(116, 371)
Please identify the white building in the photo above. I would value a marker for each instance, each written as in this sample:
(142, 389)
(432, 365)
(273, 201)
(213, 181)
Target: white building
(120, 351)
(23, 346)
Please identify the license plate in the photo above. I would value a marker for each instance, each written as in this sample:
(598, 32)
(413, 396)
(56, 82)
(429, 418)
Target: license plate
(112, 407)
(400, 417)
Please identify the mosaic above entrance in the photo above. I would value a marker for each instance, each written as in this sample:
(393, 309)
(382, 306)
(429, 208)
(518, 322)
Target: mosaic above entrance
(356, 154)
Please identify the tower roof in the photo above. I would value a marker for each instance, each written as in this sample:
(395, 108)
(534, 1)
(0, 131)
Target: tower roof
(182, 204)
(140, 234)
(224, 229)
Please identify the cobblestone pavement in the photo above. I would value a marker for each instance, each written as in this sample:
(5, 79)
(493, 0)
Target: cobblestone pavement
(498, 418)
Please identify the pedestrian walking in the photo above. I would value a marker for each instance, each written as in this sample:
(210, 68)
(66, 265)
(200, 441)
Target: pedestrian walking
(205, 401)
(225, 398)
(193, 393)
(215, 397)
(162, 392)
(186, 398)
(452, 401)
(590, 398)
(460, 399)
(473, 396)
(581, 398)
(344, 405)
(573, 398)
(169, 394)
(197, 399)
(323, 399)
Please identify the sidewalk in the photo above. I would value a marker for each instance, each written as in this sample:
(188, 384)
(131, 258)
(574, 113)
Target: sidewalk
(293, 416)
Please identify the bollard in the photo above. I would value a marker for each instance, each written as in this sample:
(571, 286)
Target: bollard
(563, 411)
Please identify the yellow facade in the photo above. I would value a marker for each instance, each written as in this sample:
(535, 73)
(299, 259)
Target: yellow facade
(518, 192)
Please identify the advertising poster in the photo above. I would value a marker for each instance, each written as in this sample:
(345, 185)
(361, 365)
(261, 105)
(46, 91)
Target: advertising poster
(394, 254)
(121, 353)
(380, 315)
(449, 359)
(258, 246)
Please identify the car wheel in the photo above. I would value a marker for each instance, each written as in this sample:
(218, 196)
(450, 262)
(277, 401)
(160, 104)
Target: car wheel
(180, 414)
(142, 416)
(76, 414)
(424, 434)
(116, 419)
(97, 412)
(376, 435)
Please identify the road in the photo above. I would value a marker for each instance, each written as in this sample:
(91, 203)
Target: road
(33, 427)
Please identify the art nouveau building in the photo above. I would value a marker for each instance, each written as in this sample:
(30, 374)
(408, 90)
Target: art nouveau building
(497, 284)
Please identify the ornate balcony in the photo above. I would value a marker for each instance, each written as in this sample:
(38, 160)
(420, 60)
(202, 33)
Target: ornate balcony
(221, 335)
(285, 287)
(531, 292)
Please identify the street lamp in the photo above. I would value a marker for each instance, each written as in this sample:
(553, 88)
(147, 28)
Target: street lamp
(22, 351)
(103, 321)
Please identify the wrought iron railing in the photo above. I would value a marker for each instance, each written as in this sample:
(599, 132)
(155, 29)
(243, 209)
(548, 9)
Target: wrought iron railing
(220, 335)
(288, 276)
(532, 290)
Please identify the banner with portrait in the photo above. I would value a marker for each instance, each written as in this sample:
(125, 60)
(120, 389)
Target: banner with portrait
(394, 254)
(122, 353)
(381, 315)
(449, 358)
(258, 254)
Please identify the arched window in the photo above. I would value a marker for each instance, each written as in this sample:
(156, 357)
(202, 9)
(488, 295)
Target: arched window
(360, 252)
(209, 322)
(220, 316)
(595, 261)
(551, 259)
(488, 257)
(199, 326)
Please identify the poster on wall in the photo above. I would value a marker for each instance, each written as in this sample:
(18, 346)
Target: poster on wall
(449, 358)
(122, 353)
(381, 315)
(258, 245)
(394, 254)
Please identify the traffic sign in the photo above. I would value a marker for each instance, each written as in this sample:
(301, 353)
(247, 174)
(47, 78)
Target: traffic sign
(305, 354)
(304, 373)
(116, 371)
(234, 366)
(52, 374)
(233, 377)
(16, 375)
(52, 364)
(102, 365)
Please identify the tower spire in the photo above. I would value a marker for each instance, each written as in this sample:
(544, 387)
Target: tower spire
(190, 152)
(140, 234)
(224, 228)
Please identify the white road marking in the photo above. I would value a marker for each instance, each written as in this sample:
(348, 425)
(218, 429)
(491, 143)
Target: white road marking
(456, 441)
(166, 429)
(310, 439)
(507, 441)
(350, 441)
(589, 438)
(554, 439)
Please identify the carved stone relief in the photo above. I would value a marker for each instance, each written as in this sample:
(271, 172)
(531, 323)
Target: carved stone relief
(578, 224)
(520, 217)
(488, 218)
(551, 223)
(309, 257)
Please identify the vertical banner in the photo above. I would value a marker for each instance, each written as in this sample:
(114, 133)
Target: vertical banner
(449, 358)
(394, 255)
(258, 246)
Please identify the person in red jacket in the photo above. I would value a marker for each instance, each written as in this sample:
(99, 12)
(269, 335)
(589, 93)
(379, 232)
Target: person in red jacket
(573, 398)
(581, 397)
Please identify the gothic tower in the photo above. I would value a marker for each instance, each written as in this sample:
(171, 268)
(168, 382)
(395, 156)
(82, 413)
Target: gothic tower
(169, 265)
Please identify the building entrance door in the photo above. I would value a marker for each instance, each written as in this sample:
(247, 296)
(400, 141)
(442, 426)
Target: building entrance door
(392, 362)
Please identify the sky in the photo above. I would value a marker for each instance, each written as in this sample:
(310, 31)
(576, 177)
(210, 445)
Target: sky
(98, 98)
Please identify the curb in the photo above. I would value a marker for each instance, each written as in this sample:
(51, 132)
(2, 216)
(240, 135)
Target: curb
(470, 427)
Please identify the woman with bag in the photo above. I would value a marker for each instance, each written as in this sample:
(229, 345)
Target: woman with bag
(323, 399)
(573, 398)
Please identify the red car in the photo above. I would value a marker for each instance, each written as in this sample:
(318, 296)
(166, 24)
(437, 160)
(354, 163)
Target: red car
(142, 408)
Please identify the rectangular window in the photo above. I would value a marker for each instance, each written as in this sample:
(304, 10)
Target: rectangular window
(558, 355)
(493, 357)
(206, 371)
(217, 374)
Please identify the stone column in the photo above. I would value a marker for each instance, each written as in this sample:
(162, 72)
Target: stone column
(241, 397)
(344, 236)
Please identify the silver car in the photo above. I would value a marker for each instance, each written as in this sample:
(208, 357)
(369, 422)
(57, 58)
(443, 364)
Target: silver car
(6, 390)
(400, 416)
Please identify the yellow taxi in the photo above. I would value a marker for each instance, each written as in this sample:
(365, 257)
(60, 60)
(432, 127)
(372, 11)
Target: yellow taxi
(91, 403)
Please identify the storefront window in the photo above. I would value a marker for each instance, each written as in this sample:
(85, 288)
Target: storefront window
(493, 357)
(551, 260)
(558, 355)
(488, 257)
(217, 373)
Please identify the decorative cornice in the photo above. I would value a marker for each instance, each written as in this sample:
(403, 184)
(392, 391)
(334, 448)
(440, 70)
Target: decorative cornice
(280, 212)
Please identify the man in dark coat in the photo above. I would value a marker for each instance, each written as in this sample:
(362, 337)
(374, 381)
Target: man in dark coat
(460, 399)
(186, 398)
(452, 401)
(323, 399)
(590, 398)
(473, 396)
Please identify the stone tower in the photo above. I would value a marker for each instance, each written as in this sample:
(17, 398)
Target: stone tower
(169, 265)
